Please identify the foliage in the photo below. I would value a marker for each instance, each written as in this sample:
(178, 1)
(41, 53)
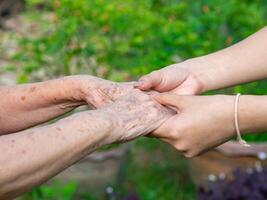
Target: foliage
(245, 185)
(138, 36)
(156, 171)
(121, 40)
(55, 191)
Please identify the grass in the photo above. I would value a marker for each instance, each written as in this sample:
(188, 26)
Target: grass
(157, 171)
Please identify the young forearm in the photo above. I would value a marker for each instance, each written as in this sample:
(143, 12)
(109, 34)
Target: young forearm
(252, 114)
(33, 156)
(243, 62)
(23, 106)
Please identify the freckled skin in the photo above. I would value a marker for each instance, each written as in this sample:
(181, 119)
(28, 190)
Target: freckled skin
(32, 89)
(123, 114)
(63, 143)
(31, 104)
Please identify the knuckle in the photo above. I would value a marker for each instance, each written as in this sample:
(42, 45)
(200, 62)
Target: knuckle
(153, 110)
(181, 147)
(154, 114)
(173, 135)
(152, 105)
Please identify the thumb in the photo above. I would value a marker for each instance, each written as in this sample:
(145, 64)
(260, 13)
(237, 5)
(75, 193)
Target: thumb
(170, 99)
(149, 81)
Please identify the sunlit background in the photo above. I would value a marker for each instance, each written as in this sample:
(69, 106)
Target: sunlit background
(121, 40)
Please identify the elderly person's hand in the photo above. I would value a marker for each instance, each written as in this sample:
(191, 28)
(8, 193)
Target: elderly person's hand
(27, 105)
(135, 115)
(43, 152)
(98, 92)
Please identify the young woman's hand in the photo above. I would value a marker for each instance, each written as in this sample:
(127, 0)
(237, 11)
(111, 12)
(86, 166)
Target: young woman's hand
(201, 122)
(177, 78)
(241, 63)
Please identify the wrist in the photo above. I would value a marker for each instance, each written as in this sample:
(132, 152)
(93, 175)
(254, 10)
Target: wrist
(252, 114)
(226, 114)
(203, 72)
(71, 88)
(95, 125)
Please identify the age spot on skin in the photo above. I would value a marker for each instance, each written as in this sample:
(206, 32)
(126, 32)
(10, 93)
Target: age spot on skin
(12, 143)
(23, 151)
(32, 89)
(23, 98)
(59, 129)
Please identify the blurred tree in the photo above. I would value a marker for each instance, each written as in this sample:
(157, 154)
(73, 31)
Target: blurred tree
(10, 7)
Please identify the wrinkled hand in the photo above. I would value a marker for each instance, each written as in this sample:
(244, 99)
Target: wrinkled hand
(135, 115)
(177, 78)
(98, 92)
(201, 122)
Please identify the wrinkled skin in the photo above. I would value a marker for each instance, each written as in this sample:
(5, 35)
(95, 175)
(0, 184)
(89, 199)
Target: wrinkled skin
(135, 111)
(123, 113)
(42, 152)
(135, 115)
(98, 92)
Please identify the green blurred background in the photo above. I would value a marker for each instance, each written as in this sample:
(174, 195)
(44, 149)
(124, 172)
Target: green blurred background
(121, 40)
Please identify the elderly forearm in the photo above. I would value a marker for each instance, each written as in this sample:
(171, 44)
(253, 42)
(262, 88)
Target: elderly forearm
(30, 157)
(33, 156)
(243, 62)
(30, 104)
(26, 105)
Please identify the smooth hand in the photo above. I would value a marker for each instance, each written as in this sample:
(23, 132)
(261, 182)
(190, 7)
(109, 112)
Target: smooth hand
(241, 63)
(177, 78)
(201, 122)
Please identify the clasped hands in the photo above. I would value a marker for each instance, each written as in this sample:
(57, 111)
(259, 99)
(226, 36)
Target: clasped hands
(160, 104)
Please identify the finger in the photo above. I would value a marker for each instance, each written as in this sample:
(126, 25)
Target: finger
(170, 99)
(128, 84)
(152, 92)
(149, 81)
